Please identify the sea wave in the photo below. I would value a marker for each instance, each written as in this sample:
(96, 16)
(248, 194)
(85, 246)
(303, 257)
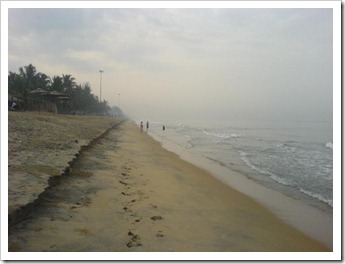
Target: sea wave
(222, 135)
(281, 161)
(218, 135)
(255, 168)
(318, 196)
(289, 146)
(329, 144)
(280, 180)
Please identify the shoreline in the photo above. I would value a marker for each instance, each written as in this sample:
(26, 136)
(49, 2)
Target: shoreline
(129, 194)
(237, 148)
(305, 218)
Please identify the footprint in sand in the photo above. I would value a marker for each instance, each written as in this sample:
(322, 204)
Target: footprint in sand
(155, 218)
(160, 234)
(124, 183)
(135, 240)
(83, 231)
(136, 220)
(154, 206)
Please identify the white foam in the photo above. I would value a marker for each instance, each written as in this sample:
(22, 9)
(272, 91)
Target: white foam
(310, 220)
(318, 196)
(280, 180)
(223, 135)
(329, 145)
(253, 167)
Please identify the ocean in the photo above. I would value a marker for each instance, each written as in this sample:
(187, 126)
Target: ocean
(295, 159)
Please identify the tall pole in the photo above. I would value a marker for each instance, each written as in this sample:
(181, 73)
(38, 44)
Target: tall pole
(100, 86)
(119, 99)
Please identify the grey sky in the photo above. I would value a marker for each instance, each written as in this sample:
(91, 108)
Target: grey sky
(231, 64)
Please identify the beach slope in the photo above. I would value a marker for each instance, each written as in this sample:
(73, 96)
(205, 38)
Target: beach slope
(127, 193)
(41, 146)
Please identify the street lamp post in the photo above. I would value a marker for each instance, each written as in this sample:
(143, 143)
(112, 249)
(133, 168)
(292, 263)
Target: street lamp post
(119, 99)
(100, 86)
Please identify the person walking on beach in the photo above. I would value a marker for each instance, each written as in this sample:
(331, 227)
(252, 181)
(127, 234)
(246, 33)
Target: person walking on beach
(141, 126)
(147, 126)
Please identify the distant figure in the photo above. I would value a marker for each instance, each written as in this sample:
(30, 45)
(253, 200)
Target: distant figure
(163, 128)
(14, 106)
(141, 126)
(147, 126)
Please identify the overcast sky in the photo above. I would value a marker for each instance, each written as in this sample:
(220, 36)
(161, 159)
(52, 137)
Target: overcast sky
(175, 64)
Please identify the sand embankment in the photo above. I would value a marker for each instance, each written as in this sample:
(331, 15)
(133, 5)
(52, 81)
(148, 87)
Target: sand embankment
(127, 193)
(40, 146)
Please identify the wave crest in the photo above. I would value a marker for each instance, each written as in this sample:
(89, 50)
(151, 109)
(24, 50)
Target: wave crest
(329, 144)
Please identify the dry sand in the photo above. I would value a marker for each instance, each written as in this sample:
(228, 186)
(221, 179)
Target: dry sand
(127, 193)
(41, 145)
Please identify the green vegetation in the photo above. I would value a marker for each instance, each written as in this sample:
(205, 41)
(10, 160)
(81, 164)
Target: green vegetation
(64, 93)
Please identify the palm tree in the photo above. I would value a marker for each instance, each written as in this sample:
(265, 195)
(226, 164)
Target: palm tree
(68, 83)
(82, 100)
(16, 84)
(29, 74)
(56, 84)
(42, 81)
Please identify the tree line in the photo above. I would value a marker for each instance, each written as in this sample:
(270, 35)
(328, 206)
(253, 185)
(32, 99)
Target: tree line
(80, 99)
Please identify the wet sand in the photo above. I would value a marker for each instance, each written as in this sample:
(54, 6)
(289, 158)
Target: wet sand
(128, 194)
(309, 220)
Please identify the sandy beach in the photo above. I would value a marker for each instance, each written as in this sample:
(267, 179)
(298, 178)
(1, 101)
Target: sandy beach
(128, 194)
(42, 145)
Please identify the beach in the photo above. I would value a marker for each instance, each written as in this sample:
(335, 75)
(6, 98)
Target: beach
(41, 146)
(126, 193)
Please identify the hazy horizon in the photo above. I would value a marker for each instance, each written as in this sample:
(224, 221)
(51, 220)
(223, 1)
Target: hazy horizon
(187, 64)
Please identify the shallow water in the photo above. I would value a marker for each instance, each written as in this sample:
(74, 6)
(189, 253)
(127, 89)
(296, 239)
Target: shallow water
(293, 158)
